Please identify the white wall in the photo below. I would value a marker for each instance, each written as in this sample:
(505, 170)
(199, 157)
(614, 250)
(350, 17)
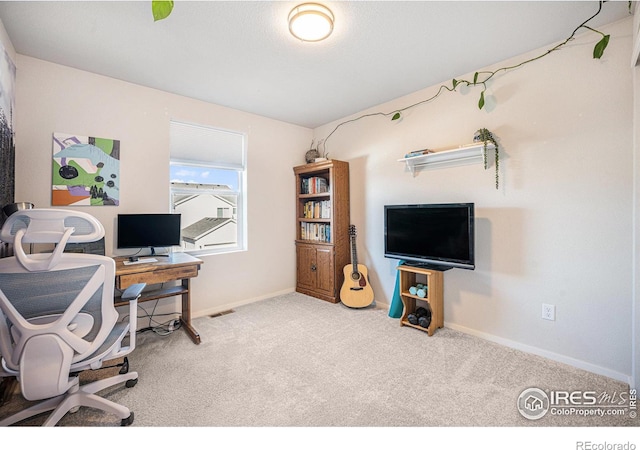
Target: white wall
(559, 229)
(52, 98)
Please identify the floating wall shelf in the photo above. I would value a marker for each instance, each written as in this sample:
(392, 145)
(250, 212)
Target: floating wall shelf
(467, 154)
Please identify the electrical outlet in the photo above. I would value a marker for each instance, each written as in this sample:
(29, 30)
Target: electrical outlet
(548, 312)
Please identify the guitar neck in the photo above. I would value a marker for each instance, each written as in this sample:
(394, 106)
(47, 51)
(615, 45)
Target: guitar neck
(354, 255)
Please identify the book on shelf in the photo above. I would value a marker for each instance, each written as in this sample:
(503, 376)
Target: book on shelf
(320, 232)
(425, 151)
(314, 185)
(317, 210)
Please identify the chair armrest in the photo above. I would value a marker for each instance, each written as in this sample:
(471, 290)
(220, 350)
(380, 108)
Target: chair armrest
(133, 292)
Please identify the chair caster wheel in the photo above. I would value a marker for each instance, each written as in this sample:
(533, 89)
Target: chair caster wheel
(128, 421)
(131, 383)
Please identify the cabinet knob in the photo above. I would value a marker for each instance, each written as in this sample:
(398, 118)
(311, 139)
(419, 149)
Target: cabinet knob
(313, 267)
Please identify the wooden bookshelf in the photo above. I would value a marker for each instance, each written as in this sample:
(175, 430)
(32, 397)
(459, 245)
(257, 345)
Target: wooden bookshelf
(322, 238)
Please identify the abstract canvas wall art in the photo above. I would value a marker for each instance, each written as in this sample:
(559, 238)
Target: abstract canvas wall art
(86, 171)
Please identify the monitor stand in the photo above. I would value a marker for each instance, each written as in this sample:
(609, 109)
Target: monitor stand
(153, 253)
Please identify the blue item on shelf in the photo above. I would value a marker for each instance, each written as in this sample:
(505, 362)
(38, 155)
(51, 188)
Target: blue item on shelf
(396, 307)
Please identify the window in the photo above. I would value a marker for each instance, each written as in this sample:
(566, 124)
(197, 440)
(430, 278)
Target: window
(208, 179)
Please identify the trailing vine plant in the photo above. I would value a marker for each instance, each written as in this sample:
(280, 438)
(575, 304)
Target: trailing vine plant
(481, 78)
(161, 9)
(485, 136)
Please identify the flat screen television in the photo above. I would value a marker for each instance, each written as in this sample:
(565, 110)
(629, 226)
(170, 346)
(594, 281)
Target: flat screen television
(440, 236)
(148, 230)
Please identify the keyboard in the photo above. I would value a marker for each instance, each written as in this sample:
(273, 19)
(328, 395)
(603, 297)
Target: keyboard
(140, 261)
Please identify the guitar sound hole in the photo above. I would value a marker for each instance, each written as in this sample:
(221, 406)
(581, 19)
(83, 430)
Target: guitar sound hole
(355, 276)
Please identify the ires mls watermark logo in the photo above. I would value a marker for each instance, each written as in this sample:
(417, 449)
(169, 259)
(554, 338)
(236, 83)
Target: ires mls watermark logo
(535, 403)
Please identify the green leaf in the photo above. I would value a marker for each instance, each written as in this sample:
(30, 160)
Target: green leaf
(161, 9)
(475, 78)
(481, 101)
(455, 83)
(396, 116)
(598, 50)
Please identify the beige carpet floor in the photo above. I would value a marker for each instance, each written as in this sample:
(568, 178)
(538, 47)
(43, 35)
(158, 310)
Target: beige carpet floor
(295, 361)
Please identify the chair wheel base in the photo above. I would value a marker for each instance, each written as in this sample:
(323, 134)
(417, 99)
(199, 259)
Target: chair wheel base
(128, 421)
(131, 383)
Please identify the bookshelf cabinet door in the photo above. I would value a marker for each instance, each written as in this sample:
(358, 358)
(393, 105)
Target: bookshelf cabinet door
(306, 262)
(316, 271)
(325, 270)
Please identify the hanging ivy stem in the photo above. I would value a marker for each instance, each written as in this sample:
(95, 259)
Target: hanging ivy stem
(551, 50)
(396, 114)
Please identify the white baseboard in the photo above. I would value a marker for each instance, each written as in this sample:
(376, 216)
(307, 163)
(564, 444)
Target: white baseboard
(226, 307)
(577, 363)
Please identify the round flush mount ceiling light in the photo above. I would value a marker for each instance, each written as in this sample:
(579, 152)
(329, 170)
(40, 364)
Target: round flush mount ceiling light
(311, 22)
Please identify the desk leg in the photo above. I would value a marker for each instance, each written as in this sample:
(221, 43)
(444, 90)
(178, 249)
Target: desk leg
(186, 312)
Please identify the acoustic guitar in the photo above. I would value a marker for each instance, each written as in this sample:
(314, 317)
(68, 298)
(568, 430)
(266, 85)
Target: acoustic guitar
(356, 291)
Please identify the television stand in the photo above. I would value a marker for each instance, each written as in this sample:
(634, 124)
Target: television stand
(434, 280)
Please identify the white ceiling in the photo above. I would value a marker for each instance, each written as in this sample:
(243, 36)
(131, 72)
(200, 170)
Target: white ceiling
(240, 53)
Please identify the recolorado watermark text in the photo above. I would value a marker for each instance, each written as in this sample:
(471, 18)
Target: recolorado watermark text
(588, 445)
